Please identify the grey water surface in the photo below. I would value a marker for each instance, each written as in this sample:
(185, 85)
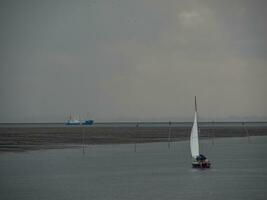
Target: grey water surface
(152, 172)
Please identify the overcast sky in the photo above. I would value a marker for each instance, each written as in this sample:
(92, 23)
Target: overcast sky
(124, 60)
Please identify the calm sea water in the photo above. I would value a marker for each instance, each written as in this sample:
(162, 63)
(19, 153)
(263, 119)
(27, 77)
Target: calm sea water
(153, 172)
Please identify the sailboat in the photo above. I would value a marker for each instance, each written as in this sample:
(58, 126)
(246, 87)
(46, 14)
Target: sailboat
(198, 160)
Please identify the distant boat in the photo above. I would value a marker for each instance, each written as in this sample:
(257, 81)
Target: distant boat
(88, 122)
(198, 160)
(72, 121)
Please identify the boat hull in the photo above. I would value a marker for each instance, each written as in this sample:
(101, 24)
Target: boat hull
(72, 123)
(201, 165)
(88, 122)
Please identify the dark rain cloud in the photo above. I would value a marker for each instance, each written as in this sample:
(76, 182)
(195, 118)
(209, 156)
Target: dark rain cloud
(132, 60)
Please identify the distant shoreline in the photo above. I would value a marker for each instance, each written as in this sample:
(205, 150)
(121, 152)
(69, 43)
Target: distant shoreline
(16, 139)
(141, 123)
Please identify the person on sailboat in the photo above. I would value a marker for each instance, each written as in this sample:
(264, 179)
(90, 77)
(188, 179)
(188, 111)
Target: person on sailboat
(203, 161)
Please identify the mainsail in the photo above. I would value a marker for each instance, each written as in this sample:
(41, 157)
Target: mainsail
(194, 136)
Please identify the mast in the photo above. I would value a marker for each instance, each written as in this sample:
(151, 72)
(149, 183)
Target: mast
(196, 112)
(196, 103)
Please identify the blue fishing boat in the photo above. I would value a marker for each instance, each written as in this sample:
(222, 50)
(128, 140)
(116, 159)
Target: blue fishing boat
(88, 122)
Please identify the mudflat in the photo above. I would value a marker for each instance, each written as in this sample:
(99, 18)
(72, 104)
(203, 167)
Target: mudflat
(30, 138)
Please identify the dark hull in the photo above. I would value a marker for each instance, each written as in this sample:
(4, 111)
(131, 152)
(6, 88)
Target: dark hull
(201, 165)
(88, 122)
(72, 124)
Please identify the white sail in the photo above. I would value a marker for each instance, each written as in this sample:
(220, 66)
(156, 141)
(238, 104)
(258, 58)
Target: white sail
(194, 146)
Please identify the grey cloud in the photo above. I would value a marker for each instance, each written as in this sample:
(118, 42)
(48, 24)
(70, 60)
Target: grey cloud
(129, 60)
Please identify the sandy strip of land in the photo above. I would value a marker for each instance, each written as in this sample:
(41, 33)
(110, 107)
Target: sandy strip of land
(25, 138)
